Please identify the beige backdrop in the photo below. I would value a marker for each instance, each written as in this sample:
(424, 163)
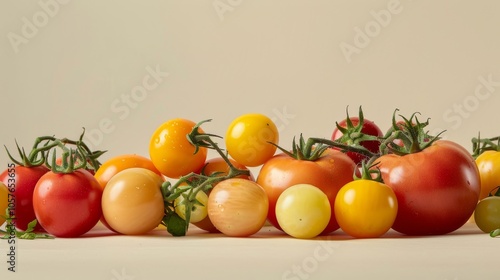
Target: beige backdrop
(121, 68)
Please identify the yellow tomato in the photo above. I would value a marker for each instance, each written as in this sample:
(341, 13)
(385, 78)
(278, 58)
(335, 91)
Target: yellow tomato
(132, 202)
(365, 208)
(488, 164)
(303, 211)
(247, 139)
(198, 211)
(171, 152)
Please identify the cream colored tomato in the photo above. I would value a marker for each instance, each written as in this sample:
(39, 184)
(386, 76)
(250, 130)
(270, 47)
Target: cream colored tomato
(132, 202)
(238, 207)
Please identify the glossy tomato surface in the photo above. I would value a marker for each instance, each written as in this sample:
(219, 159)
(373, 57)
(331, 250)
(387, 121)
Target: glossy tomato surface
(247, 139)
(329, 173)
(67, 205)
(23, 180)
(437, 188)
(132, 202)
(171, 152)
(366, 208)
(488, 164)
(238, 207)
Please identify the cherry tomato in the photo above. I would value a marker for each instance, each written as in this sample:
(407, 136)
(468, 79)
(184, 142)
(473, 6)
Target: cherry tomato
(116, 164)
(365, 208)
(247, 139)
(437, 188)
(487, 214)
(4, 202)
(488, 164)
(132, 202)
(23, 180)
(238, 207)
(171, 152)
(67, 205)
(198, 212)
(369, 128)
(303, 211)
(329, 173)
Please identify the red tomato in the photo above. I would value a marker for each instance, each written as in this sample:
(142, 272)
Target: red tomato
(329, 173)
(67, 205)
(24, 179)
(369, 128)
(437, 188)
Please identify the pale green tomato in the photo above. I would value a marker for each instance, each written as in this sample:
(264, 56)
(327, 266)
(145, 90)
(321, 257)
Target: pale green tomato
(198, 212)
(303, 211)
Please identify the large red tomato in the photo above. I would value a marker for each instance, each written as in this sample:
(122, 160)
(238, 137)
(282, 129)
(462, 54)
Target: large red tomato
(437, 188)
(23, 180)
(67, 205)
(329, 173)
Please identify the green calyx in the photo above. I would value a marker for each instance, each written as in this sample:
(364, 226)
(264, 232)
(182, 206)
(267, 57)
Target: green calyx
(351, 134)
(411, 134)
(10, 229)
(75, 154)
(481, 145)
(369, 171)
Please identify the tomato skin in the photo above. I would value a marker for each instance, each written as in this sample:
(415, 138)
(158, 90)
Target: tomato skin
(4, 201)
(488, 164)
(171, 152)
(329, 173)
(487, 214)
(437, 188)
(67, 205)
(247, 139)
(119, 163)
(303, 211)
(238, 207)
(369, 128)
(215, 165)
(25, 180)
(366, 208)
(132, 202)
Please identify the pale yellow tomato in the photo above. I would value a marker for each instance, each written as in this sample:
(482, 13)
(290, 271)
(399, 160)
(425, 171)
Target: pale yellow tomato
(303, 211)
(198, 211)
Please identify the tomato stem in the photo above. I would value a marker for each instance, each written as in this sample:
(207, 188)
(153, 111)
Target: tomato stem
(480, 145)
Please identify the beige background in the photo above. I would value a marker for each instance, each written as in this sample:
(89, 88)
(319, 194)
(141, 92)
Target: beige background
(65, 65)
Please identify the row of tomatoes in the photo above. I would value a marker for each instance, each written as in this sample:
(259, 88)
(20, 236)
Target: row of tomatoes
(419, 185)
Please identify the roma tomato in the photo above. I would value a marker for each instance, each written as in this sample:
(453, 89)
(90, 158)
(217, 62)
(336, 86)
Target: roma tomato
(132, 202)
(332, 170)
(4, 202)
(437, 188)
(67, 205)
(24, 179)
(365, 208)
(119, 163)
(303, 211)
(219, 166)
(247, 139)
(488, 164)
(238, 207)
(367, 127)
(171, 152)
(487, 214)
